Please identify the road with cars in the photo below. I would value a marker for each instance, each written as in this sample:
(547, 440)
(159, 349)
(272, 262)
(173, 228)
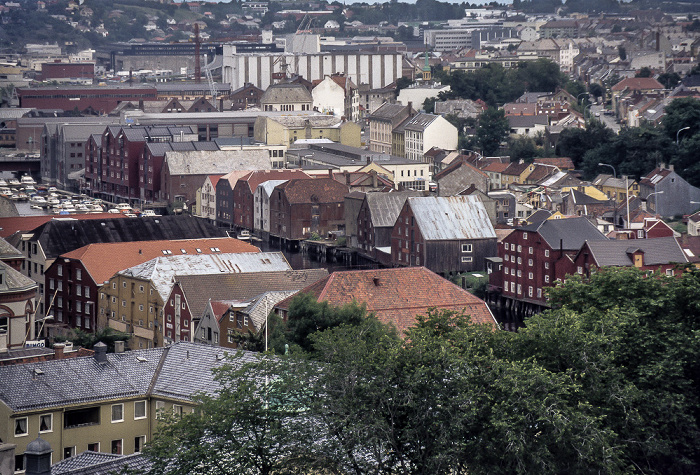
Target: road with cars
(598, 112)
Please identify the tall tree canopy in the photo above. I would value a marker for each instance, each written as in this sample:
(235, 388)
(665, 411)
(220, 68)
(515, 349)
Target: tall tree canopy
(607, 381)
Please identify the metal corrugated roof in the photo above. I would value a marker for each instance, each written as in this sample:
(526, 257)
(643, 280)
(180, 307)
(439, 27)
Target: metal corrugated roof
(162, 270)
(452, 217)
(385, 207)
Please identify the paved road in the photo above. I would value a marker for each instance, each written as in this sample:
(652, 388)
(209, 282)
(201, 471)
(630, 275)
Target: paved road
(608, 120)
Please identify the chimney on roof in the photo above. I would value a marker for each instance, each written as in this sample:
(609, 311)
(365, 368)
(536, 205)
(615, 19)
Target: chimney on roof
(140, 251)
(376, 281)
(100, 352)
(119, 347)
(330, 174)
(58, 350)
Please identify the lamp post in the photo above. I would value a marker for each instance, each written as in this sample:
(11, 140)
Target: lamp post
(600, 164)
(656, 207)
(679, 132)
(582, 94)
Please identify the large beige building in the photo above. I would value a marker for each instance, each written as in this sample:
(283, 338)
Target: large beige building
(286, 130)
(106, 402)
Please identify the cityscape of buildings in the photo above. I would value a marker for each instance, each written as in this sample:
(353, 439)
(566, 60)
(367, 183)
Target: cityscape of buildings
(157, 188)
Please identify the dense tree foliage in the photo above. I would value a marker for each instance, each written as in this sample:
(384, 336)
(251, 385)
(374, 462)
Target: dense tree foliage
(496, 85)
(605, 382)
(493, 129)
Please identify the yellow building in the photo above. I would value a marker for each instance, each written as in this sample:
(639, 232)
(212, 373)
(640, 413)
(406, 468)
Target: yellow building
(287, 129)
(617, 188)
(107, 402)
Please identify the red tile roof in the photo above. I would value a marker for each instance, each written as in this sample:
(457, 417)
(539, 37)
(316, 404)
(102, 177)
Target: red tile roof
(397, 295)
(564, 163)
(255, 178)
(496, 167)
(637, 84)
(460, 162)
(99, 259)
(9, 226)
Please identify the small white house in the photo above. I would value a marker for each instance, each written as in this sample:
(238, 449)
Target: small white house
(337, 95)
(425, 131)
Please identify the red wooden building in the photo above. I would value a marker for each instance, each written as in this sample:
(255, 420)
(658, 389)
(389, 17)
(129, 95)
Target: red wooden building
(299, 208)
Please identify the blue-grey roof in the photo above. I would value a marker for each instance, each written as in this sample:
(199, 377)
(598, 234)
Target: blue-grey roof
(657, 251)
(568, 234)
(178, 371)
(443, 218)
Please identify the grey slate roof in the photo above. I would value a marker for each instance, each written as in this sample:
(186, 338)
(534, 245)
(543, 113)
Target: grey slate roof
(217, 162)
(261, 305)
(178, 371)
(451, 217)
(657, 251)
(527, 120)
(199, 289)
(94, 463)
(387, 111)
(420, 122)
(59, 236)
(385, 207)
(8, 251)
(14, 281)
(286, 94)
(571, 233)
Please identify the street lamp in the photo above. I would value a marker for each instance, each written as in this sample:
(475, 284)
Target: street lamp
(583, 93)
(679, 132)
(43, 322)
(655, 201)
(600, 164)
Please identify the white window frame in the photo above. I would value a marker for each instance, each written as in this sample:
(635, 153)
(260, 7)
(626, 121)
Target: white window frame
(145, 410)
(50, 429)
(26, 427)
(467, 259)
(466, 248)
(114, 421)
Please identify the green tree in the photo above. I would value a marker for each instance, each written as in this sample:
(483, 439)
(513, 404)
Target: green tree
(596, 90)
(522, 148)
(251, 424)
(669, 80)
(429, 105)
(631, 340)
(493, 129)
(307, 316)
(645, 72)
(88, 340)
(634, 151)
(574, 142)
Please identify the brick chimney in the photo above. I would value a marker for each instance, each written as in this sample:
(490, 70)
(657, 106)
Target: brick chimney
(58, 350)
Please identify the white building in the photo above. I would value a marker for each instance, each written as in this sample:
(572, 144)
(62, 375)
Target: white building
(425, 131)
(337, 95)
(417, 94)
(261, 205)
(207, 198)
(376, 69)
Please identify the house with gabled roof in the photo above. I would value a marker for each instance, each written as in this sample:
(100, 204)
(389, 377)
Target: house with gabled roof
(137, 300)
(58, 236)
(337, 94)
(694, 224)
(244, 191)
(300, 208)
(459, 176)
(184, 172)
(74, 279)
(667, 193)
(210, 296)
(536, 255)
(286, 97)
(105, 402)
(662, 254)
(425, 131)
(206, 199)
(382, 123)
(447, 235)
(396, 295)
(375, 222)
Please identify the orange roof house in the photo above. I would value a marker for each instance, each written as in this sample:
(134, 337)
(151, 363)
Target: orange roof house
(396, 296)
